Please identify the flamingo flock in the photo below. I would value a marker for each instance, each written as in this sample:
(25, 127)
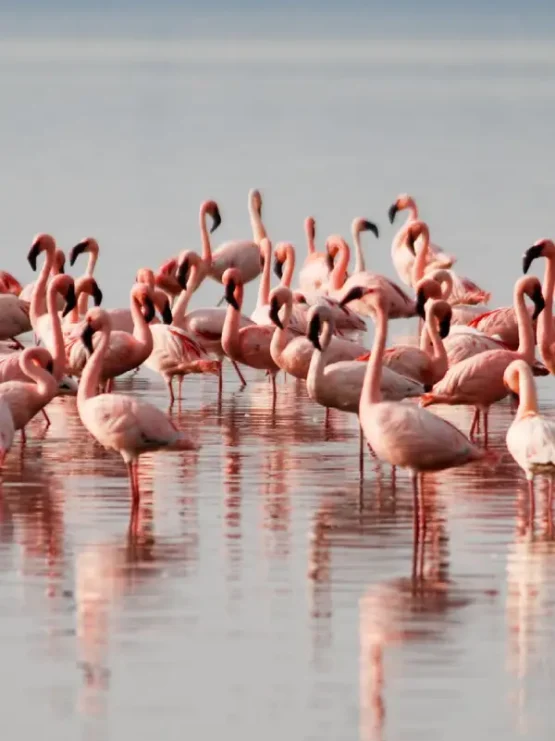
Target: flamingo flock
(467, 353)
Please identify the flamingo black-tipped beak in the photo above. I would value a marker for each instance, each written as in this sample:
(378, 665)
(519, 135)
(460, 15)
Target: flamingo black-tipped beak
(274, 313)
(369, 226)
(50, 367)
(71, 300)
(149, 311)
(421, 303)
(329, 260)
(278, 268)
(354, 294)
(445, 326)
(77, 250)
(182, 274)
(539, 303)
(96, 294)
(313, 331)
(217, 220)
(392, 212)
(32, 255)
(87, 338)
(167, 316)
(230, 295)
(530, 255)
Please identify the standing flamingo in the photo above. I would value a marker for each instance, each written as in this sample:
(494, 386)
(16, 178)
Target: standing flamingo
(120, 422)
(400, 304)
(478, 380)
(26, 399)
(248, 345)
(293, 354)
(7, 430)
(531, 436)
(403, 434)
(402, 255)
(315, 271)
(243, 255)
(546, 334)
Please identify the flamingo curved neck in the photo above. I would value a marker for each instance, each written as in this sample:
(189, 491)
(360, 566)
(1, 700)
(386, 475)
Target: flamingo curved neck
(545, 319)
(525, 330)
(315, 375)
(179, 309)
(38, 299)
(230, 330)
(437, 352)
(337, 277)
(205, 240)
(264, 285)
(258, 230)
(528, 396)
(289, 267)
(59, 353)
(90, 377)
(280, 336)
(45, 383)
(371, 391)
(419, 267)
(83, 299)
(310, 241)
(141, 330)
(359, 257)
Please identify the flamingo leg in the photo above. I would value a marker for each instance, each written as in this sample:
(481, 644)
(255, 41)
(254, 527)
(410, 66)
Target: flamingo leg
(23, 436)
(241, 377)
(46, 418)
(220, 381)
(486, 415)
(393, 477)
(415, 506)
(474, 424)
(361, 452)
(169, 383)
(180, 387)
(274, 391)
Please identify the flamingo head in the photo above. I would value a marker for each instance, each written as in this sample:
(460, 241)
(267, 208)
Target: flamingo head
(313, 330)
(541, 248)
(232, 281)
(95, 321)
(89, 244)
(280, 256)
(531, 286)
(255, 200)
(427, 288)
(442, 311)
(146, 276)
(275, 306)
(403, 201)
(212, 209)
(333, 245)
(416, 229)
(144, 295)
(163, 304)
(299, 298)
(41, 243)
(88, 285)
(310, 227)
(67, 289)
(59, 261)
(41, 357)
(363, 225)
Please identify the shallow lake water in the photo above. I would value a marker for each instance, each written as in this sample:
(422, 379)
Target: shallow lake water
(268, 591)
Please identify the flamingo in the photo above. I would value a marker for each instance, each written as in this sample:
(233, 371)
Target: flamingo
(531, 436)
(315, 271)
(247, 345)
(400, 304)
(260, 315)
(9, 284)
(463, 290)
(478, 380)
(7, 430)
(402, 434)
(293, 354)
(125, 351)
(402, 255)
(205, 325)
(284, 267)
(243, 255)
(120, 422)
(427, 363)
(26, 399)
(546, 335)
(42, 243)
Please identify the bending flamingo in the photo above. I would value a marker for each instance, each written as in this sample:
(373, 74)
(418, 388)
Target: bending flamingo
(531, 436)
(120, 422)
(403, 434)
(293, 354)
(402, 255)
(242, 255)
(478, 381)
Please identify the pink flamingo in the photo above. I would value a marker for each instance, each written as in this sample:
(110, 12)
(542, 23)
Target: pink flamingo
(531, 436)
(400, 304)
(57, 268)
(120, 422)
(205, 325)
(293, 354)
(247, 345)
(315, 271)
(427, 363)
(405, 435)
(463, 290)
(284, 267)
(243, 255)
(402, 255)
(9, 284)
(125, 351)
(260, 315)
(26, 399)
(7, 430)
(478, 380)
(546, 337)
